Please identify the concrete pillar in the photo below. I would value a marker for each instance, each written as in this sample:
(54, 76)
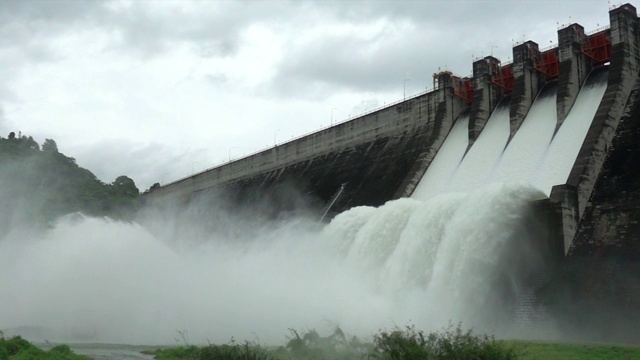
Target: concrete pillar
(526, 83)
(574, 68)
(486, 95)
(623, 78)
(624, 34)
(447, 109)
(564, 207)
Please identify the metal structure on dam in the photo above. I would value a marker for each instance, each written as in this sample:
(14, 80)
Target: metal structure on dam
(594, 216)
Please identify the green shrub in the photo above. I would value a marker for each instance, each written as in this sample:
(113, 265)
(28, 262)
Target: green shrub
(234, 351)
(17, 348)
(14, 345)
(312, 346)
(451, 344)
(182, 352)
(230, 351)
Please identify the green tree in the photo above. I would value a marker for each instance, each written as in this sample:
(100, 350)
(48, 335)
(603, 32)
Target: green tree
(50, 146)
(124, 186)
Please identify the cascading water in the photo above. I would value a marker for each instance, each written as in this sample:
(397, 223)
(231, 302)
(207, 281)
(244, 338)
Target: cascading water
(439, 256)
(565, 146)
(443, 166)
(530, 142)
(476, 166)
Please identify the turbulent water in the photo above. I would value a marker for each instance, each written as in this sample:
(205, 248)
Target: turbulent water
(440, 256)
(96, 280)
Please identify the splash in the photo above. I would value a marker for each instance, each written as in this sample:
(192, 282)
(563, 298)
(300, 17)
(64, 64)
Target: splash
(426, 262)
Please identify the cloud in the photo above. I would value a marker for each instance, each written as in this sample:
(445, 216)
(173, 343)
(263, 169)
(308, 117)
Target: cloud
(3, 122)
(374, 46)
(377, 61)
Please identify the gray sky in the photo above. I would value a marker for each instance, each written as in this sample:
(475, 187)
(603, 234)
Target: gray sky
(158, 89)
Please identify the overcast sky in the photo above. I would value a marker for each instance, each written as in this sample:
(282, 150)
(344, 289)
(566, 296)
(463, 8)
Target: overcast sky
(158, 89)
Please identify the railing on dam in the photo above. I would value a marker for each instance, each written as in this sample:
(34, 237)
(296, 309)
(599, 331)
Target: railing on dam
(367, 112)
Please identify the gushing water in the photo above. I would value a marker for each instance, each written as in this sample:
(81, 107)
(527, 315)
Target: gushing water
(526, 149)
(408, 261)
(565, 146)
(446, 161)
(477, 165)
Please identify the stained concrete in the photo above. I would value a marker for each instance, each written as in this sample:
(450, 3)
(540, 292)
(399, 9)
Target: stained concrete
(379, 156)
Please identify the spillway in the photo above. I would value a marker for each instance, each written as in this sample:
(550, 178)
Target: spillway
(534, 156)
(445, 163)
(562, 152)
(477, 165)
(528, 146)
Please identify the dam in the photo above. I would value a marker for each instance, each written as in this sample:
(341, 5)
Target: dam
(562, 122)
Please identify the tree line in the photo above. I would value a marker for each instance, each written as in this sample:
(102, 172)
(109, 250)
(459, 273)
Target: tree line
(38, 184)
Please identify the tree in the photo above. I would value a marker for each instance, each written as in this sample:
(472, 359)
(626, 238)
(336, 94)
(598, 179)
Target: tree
(124, 186)
(50, 146)
(12, 135)
(32, 143)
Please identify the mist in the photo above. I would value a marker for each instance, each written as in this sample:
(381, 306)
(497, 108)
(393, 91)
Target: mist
(207, 274)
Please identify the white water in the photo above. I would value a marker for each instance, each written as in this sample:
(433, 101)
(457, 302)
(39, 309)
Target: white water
(405, 262)
(562, 152)
(449, 257)
(526, 149)
(446, 161)
(534, 157)
(477, 165)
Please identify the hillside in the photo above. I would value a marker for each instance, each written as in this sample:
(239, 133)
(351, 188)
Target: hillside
(40, 184)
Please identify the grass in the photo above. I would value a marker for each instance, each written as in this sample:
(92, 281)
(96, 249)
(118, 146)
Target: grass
(230, 351)
(529, 350)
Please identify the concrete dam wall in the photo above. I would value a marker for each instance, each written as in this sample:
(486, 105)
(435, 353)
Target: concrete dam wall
(384, 154)
(373, 155)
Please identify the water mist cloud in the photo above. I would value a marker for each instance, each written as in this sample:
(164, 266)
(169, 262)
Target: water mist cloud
(408, 261)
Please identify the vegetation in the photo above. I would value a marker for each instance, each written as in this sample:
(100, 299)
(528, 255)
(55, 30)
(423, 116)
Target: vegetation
(451, 344)
(230, 351)
(529, 350)
(17, 348)
(39, 185)
(398, 344)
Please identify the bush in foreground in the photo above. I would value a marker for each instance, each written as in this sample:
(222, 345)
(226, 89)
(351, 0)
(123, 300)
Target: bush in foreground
(17, 348)
(452, 343)
(397, 344)
(230, 351)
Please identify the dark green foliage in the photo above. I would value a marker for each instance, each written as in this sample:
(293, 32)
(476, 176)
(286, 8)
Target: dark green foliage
(451, 344)
(312, 346)
(182, 352)
(49, 146)
(230, 351)
(234, 351)
(37, 186)
(398, 344)
(17, 348)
